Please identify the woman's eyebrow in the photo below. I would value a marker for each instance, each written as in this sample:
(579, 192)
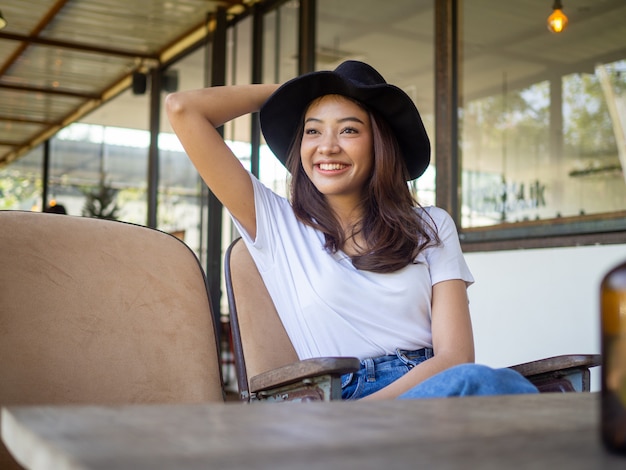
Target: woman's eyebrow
(341, 120)
(351, 118)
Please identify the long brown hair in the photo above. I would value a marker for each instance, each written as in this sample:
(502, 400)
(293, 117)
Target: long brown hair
(394, 232)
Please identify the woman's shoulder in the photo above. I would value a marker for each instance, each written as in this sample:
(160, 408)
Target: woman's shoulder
(439, 220)
(436, 214)
(261, 188)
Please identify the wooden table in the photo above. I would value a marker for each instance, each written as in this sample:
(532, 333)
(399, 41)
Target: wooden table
(551, 431)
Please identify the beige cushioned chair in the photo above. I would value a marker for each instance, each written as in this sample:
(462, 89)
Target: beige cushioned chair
(101, 312)
(268, 368)
(266, 363)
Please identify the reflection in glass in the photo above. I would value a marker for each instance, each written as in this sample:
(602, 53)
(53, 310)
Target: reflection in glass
(542, 117)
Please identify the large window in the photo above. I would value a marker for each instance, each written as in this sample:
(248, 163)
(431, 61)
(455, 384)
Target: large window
(543, 115)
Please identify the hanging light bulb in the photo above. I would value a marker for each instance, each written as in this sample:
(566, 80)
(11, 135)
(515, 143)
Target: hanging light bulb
(557, 21)
(3, 22)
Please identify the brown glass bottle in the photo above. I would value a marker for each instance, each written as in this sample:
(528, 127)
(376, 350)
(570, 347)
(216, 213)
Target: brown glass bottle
(613, 327)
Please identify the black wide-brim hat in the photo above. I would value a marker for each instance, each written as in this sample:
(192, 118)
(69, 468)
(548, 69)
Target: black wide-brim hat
(284, 110)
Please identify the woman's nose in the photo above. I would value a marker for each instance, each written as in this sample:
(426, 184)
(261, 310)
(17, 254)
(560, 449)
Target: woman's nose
(328, 145)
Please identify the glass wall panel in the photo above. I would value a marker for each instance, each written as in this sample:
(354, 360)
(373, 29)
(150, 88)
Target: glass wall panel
(239, 71)
(181, 205)
(280, 54)
(280, 63)
(95, 171)
(397, 38)
(21, 182)
(113, 167)
(543, 115)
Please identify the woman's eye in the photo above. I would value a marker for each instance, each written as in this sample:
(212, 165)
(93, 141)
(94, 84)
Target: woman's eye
(310, 131)
(349, 130)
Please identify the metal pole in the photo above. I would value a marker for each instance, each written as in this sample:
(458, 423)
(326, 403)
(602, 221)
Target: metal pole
(45, 178)
(153, 151)
(257, 77)
(214, 217)
(446, 106)
(306, 37)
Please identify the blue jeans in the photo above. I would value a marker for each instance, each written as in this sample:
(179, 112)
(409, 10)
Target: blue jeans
(461, 380)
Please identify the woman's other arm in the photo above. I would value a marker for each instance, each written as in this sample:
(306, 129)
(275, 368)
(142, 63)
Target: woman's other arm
(453, 340)
(195, 116)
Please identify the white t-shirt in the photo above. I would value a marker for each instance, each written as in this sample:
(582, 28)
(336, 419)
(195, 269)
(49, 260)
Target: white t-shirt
(330, 308)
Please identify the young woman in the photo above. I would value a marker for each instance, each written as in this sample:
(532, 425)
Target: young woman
(353, 264)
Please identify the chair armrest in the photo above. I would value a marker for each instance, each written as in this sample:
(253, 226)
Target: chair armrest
(558, 363)
(305, 369)
(567, 373)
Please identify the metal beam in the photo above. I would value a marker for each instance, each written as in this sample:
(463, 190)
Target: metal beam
(447, 159)
(153, 150)
(22, 120)
(306, 36)
(77, 46)
(257, 77)
(49, 91)
(45, 175)
(214, 218)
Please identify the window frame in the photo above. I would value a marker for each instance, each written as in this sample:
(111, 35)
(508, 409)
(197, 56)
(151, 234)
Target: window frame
(604, 228)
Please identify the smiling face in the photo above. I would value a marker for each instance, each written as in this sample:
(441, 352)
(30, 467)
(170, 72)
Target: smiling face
(337, 148)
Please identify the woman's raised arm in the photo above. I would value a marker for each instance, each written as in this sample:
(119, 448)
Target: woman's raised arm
(195, 115)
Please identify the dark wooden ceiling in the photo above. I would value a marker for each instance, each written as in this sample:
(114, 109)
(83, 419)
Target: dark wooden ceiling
(60, 59)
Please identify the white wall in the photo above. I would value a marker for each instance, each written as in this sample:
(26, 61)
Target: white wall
(530, 304)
